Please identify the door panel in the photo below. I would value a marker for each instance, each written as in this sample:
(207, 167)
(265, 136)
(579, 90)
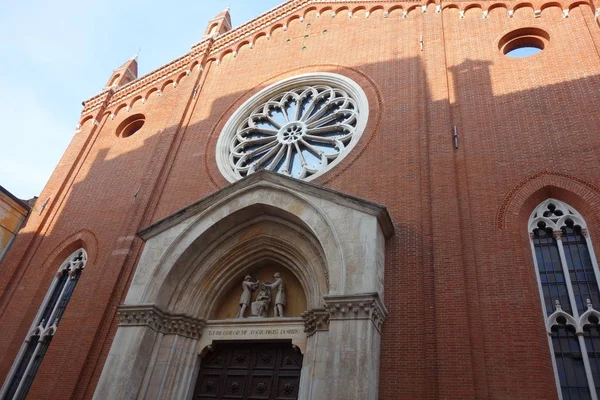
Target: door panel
(250, 371)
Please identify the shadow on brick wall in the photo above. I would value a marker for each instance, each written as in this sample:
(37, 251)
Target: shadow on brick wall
(446, 273)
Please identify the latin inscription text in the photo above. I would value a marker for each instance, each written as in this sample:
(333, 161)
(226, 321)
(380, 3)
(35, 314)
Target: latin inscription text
(254, 332)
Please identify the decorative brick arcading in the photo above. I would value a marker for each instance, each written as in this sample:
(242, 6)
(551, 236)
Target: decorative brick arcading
(315, 320)
(231, 41)
(357, 307)
(169, 324)
(259, 23)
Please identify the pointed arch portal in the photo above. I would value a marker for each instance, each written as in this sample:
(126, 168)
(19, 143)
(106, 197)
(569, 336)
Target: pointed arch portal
(325, 251)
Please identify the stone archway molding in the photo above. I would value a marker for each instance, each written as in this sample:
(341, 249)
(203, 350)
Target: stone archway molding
(216, 268)
(333, 243)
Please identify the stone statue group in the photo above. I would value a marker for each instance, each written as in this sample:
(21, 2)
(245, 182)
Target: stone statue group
(260, 306)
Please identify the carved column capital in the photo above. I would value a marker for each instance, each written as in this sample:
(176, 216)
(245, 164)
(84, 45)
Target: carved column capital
(315, 320)
(160, 321)
(557, 234)
(356, 307)
(585, 232)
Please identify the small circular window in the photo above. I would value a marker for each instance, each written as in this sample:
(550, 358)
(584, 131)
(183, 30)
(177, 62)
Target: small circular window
(523, 42)
(131, 125)
(300, 127)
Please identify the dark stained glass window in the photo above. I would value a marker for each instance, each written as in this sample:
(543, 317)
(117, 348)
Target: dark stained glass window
(591, 334)
(580, 266)
(569, 361)
(33, 350)
(550, 269)
(567, 273)
(30, 347)
(58, 289)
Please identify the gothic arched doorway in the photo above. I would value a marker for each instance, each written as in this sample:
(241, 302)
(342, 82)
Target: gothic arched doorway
(250, 370)
(328, 249)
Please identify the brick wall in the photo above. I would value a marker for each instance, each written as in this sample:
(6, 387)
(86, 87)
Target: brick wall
(465, 317)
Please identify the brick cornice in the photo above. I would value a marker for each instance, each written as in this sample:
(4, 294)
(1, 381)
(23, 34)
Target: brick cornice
(146, 82)
(259, 23)
(215, 49)
(205, 46)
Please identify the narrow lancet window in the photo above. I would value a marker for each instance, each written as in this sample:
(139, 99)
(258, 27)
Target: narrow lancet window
(550, 270)
(580, 265)
(591, 332)
(568, 276)
(571, 369)
(42, 330)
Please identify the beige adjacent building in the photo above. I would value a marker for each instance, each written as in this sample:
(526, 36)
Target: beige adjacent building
(12, 215)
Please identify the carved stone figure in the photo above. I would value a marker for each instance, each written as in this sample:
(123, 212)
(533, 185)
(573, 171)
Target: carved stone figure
(280, 298)
(246, 296)
(260, 307)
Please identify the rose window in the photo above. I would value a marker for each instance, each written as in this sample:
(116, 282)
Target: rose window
(295, 129)
(296, 134)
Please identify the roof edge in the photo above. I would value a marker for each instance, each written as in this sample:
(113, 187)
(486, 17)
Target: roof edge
(22, 203)
(214, 48)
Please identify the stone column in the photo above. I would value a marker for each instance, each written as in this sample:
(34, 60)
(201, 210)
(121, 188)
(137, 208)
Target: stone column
(343, 362)
(313, 380)
(126, 363)
(153, 355)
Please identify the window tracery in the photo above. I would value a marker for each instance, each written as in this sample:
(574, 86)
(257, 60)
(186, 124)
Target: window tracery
(300, 127)
(44, 327)
(568, 276)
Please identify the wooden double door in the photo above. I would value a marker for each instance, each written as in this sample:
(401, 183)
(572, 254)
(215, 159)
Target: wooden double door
(253, 371)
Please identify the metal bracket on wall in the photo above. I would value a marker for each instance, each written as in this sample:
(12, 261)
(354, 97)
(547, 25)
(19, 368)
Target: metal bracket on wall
(455, 136)
(135, 195)
(44, 205)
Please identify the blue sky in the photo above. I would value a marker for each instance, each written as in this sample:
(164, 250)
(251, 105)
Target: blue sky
(55, 54)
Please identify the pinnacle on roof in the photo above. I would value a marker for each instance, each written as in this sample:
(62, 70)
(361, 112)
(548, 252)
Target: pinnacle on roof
(125, 73)
(219, 24)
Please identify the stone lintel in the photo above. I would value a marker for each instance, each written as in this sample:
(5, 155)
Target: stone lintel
(254, 328)
(169, 324)
(356, 307)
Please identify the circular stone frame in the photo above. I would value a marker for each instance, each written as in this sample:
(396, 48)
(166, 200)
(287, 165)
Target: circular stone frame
(130, 126)
(523, 37)
(310, 79)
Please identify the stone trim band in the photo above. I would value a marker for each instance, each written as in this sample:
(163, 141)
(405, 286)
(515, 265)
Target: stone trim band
(357, 306)
(160, 321)
(365, 306)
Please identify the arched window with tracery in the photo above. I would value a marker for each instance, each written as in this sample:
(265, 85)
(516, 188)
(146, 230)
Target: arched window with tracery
(43, 328)
(568, 276)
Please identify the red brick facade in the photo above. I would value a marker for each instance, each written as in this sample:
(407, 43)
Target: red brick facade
(465, 319)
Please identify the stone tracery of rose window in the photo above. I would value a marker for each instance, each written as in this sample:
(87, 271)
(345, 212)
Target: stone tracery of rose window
(296, 133)
(299, 129)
